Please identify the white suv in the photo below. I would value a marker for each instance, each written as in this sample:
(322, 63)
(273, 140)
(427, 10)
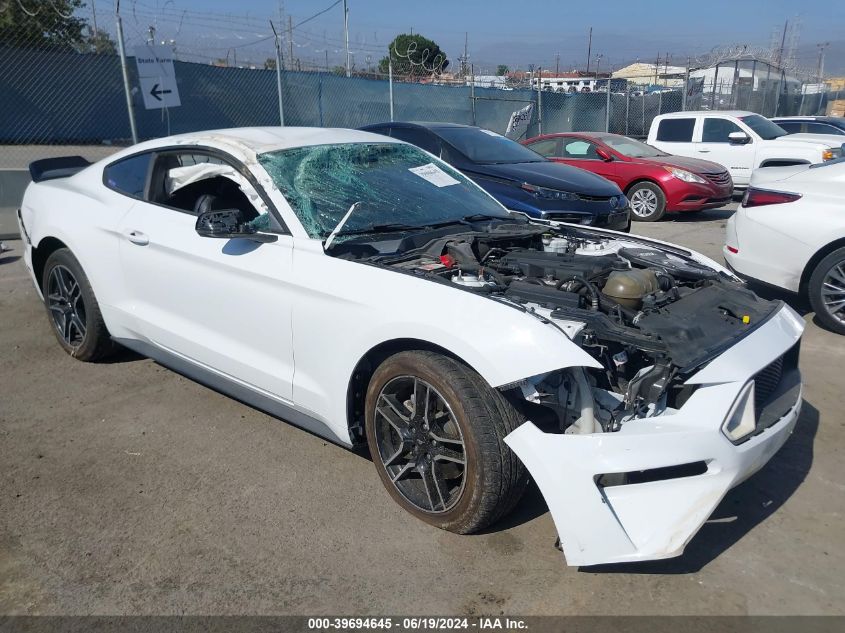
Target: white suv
(741, 141)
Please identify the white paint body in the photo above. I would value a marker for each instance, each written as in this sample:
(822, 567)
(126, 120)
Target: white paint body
(288, 322)
(739, 159)
(776, 242)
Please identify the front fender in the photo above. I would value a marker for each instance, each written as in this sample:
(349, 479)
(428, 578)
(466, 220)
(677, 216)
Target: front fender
(351, 308)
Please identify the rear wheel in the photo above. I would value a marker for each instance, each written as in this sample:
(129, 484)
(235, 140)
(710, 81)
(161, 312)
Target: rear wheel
(73, 309)
(826, 291)
(435, 431)
(648, 202)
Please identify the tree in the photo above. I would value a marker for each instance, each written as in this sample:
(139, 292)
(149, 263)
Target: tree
(98, 42)
(42, 24)
(270, 63)
(414, 55)
(502, 70)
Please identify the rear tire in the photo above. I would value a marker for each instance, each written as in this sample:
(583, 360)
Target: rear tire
(826, 291)
(446, 462)
(648, 202)
(72, 308)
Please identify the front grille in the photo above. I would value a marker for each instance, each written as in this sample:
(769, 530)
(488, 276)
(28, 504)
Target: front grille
(719, 178)
(585, 198)
(765, 382)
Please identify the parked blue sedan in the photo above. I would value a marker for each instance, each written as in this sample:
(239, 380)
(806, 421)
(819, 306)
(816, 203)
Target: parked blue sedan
(518, 177)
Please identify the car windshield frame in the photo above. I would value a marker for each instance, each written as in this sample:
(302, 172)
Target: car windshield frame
(490, 148)
(763, 127)
(400, 188)
(654, 152)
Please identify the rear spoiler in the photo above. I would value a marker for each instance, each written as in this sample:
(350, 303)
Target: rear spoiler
(61, 167)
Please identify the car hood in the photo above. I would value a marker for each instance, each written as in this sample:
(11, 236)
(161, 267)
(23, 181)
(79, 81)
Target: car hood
(695, 165)
(831, 140)
(553, 176)
(803, 140)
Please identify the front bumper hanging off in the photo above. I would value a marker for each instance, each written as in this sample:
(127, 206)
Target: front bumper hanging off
(655, 519)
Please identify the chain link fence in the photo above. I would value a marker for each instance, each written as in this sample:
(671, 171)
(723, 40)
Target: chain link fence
(69, 90)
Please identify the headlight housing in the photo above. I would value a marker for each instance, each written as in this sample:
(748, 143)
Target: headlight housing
(548, 194)
(686, 176)
(742, 420)
(832, 153)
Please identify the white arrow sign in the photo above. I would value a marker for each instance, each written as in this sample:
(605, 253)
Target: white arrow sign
(157, 76)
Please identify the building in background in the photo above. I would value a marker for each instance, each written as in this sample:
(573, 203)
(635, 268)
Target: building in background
(641, 74)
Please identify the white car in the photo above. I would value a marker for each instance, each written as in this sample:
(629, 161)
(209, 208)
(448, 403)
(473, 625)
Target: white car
(790, 233)
(364, 290)
(740, 141)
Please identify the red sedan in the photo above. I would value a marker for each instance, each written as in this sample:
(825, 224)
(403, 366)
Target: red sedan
(653, 181)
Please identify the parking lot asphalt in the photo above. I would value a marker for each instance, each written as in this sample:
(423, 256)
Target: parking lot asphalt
(126, 488)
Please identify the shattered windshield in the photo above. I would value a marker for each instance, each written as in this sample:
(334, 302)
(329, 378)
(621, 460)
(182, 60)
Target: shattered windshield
(395, 184)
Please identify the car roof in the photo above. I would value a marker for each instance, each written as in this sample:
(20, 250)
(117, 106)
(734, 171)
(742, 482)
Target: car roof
(687, 113)
(822, 119)
(265, 139)
(429, 125)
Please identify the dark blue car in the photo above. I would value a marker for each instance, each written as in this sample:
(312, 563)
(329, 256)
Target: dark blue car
(518, 177)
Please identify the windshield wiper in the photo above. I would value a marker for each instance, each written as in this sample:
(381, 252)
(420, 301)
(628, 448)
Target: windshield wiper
(376, 228)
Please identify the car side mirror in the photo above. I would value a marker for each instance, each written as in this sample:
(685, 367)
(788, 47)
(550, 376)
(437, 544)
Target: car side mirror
(227, 224)
(738, 138)
(604, 154)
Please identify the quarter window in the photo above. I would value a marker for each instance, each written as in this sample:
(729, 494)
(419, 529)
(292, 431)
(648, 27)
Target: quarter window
(547, 147)
(128, 176)
(717, 130)
(675, 130)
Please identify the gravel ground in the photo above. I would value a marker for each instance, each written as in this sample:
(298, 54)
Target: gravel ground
(126, 488)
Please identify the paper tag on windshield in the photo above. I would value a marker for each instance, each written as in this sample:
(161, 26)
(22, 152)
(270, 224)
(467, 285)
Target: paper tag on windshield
(433, 174)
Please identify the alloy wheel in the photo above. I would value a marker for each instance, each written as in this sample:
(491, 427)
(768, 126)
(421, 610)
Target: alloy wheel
(833, 291)
(420, 444)
(643, 203)
(67, 308)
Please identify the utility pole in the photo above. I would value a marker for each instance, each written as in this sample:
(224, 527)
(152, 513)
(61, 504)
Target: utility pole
(346, 36)
(820, 71)
(465, 58)
(290, 43)
(557, 64)
(279, 73)
(782, 43)
(122, 50)
(94, 13)
(589, 49)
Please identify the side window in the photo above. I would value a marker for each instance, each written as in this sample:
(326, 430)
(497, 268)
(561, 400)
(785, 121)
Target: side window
(579, 150)
(791, 127)
(546, 147)
(128, 176)
(717, 130)
(823, 128)
(675, 130)
(421, 138)
(195, 182)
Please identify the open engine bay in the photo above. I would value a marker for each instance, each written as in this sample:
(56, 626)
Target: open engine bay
(651, 316)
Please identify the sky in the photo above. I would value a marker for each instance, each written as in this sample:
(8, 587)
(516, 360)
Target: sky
(517, 34)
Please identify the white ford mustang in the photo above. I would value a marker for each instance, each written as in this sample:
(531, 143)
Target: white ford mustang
(366, 291)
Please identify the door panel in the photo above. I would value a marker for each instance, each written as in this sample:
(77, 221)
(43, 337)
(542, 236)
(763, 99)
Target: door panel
(715, 146)
(581, 153)
(219, 303)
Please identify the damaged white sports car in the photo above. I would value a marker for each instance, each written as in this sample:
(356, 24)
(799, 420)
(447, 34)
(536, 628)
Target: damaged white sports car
(360, 288)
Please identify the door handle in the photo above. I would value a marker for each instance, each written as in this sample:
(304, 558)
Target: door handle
(704, 151)
(136, 237)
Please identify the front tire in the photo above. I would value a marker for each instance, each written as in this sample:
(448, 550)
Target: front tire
(445, 462)
(648, 202)
(826, 291)
(73, 309)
